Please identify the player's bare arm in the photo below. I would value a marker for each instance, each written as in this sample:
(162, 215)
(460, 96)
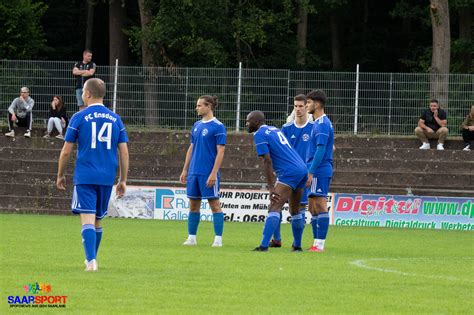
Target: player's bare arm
(184, 173)
(268, 168)
(211, 181)
(123, 169)
(63, 159)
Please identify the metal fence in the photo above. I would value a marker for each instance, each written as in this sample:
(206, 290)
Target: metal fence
(366, 103)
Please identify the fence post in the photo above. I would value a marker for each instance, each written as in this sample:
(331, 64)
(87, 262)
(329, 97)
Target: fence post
(288, 94)
(114, 106)
(186, 100)
(390, 104)
(239, 90)
(356, 111)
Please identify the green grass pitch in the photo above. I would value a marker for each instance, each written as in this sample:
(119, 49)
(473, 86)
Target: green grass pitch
(143, 268)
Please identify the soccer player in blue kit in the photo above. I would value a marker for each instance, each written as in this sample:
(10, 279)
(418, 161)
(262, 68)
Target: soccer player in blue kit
(99, 132)
(278, 155)
(298, 134)
(201, 169)
(320, 167)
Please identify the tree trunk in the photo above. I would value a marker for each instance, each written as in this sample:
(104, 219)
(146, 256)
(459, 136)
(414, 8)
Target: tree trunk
(149, 70)
(90, 24)
(118, 42)
(440, 60)
(145, 19)
(238, 22)
(335, 44)
(465, 24)
(302, 32)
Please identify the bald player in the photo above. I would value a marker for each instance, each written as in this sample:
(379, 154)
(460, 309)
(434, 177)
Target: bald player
(279, 156)
(98, 132)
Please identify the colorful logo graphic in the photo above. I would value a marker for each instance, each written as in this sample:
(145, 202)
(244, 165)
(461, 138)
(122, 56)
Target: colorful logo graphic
(164, 199)
(305, 137)
(377, 205)
(35, 297)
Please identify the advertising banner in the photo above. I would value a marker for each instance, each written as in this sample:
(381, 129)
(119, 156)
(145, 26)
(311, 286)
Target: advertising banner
(171, 203)
(415, 212)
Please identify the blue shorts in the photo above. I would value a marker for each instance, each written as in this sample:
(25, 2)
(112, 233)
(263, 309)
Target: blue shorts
(196, 187)
(295, 180)
(80, 102)
(91, 199)
(319, 187)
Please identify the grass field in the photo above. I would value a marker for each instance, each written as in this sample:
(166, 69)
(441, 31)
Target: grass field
(143, 268)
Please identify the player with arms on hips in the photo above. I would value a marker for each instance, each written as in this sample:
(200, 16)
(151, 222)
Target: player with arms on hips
(201, 168)
(98, 132)
(277, 154)
(297, 130)
(320, 167)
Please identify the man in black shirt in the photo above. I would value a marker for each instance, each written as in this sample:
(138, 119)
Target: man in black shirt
(432, 125)
(83, 71)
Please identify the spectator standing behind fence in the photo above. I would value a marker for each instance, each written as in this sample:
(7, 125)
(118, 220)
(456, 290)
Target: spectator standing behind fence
(432, 125)
(468, 130)
(83, 71)
(21, 113)
(57, 117)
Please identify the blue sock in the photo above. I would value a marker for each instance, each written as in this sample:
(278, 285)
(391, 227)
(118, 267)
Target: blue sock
(218, 219)
(297, 226)
(270, 225)
(323, 225)
(193, 222)
(277, 234)
(88, 239)
(314, 225)
(98, 238)
(303, 216)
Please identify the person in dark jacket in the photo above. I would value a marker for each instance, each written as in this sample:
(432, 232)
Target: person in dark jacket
(57, 117)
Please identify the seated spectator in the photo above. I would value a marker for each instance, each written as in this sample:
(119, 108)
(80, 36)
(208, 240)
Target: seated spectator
(20, 112)
(57, 117)
(468, 130)
(432, 125)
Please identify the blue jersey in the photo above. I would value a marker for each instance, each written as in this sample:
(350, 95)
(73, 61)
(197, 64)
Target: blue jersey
(298, 136)
(285, 160)
(322, 134)
(98, 131)
(205, 137)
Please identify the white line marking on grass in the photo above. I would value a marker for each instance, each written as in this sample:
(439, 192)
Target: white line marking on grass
(363, 263)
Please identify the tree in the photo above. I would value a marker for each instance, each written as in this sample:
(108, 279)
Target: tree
(90, 23)
(151, 103)
(143, 34)
(462, 47)
(465, 37)
(302, 32)
(21, 35)
(118, 42)
(440, 60)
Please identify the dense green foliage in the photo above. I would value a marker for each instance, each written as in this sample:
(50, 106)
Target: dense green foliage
(143, 268)
(21, 32)
(388, 36)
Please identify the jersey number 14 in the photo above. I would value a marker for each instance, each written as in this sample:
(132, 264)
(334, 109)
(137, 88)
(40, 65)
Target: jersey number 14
(105, 129)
